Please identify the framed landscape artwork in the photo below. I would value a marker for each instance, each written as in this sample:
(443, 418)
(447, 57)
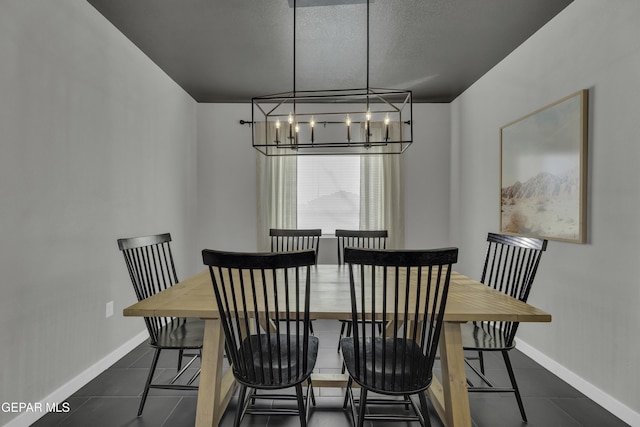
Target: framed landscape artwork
(543, 172)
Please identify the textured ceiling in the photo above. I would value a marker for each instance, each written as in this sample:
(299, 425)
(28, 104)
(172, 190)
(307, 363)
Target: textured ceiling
(233, 50)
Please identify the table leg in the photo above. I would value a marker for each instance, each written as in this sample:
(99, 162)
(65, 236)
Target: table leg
(451, 398)
(209, 409)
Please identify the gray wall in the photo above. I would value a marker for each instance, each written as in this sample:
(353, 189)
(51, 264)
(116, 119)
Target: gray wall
(590, 289)
(427, 178)
(96, 143)
(227, 210)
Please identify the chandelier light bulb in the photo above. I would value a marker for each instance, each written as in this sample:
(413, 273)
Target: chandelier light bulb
(386, 127)
(277, 141)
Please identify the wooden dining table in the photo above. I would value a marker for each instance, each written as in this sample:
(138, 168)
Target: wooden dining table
(469, 300)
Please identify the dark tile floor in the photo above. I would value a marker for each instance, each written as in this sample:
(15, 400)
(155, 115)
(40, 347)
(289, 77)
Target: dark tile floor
(112, 399)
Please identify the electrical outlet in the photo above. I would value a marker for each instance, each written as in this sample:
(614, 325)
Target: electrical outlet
(109, 309)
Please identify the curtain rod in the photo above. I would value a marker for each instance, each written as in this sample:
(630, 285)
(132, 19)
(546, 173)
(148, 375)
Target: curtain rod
(249, 122)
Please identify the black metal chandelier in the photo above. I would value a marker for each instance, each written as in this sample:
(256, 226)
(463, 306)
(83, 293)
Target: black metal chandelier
(334, 121)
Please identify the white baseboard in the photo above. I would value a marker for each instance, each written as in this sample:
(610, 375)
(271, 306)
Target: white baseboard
(27, 418)
(609, 403)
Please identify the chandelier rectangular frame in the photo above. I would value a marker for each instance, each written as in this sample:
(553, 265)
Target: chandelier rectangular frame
(333, 122)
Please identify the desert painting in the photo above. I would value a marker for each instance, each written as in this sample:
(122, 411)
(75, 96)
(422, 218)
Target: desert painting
(543, 168)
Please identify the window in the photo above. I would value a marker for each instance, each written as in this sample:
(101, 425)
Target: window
(328, 192)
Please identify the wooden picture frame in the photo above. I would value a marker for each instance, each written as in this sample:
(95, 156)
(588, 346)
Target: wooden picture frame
(543, 180)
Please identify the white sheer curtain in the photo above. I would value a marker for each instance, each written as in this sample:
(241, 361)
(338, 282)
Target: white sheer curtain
(382, 188)
(277, 190)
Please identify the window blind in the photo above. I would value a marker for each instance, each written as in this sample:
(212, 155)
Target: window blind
(328, 192)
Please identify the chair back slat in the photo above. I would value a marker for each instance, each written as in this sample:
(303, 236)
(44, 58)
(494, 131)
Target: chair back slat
(289, 240)
(152, 269)
(510, 266)
(263, 301)
(408, 289)
(368, 239)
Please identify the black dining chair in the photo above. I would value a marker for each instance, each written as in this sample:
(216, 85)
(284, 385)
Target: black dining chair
(367, 239)
(287, 240)
(294, 239)
(409, 288)
(510, 266)
(263, 301)
(151, 267)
